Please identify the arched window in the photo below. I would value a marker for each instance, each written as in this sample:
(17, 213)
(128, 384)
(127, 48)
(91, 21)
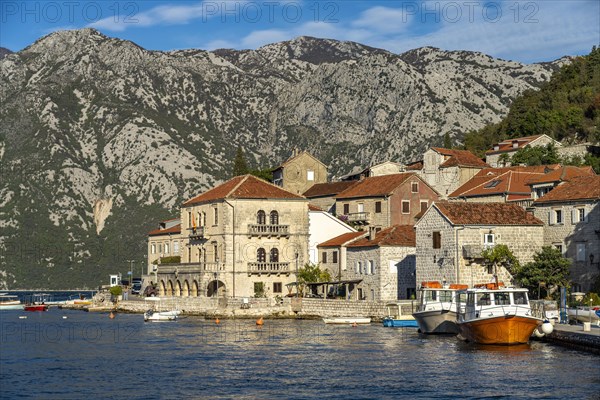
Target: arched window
(274, 256)
(261, 255)
(274, 218)
(261, 217)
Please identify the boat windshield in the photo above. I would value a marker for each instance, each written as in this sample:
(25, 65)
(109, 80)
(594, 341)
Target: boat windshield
(430, 295)
(502, 299)
(520, 298)
(446, 296)
(483, 299)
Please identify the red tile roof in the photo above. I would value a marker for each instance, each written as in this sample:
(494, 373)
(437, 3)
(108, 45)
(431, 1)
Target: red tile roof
(459, 213)
(375, 186)
(396, 235)
(328, 189)
(342, 239)
(507, 145)
(462, 158)
(565, 173)
(415, 166)
(579, 188)
(512, 183)
(169, 231)
(243, 187)
(312, 207)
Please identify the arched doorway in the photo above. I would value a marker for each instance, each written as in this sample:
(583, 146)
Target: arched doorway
(170, 288)
(186, 289)
(177, 288)
(215, 288)
(162, 288)
(194, 289)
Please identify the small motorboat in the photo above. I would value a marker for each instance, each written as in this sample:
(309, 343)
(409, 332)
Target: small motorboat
(585, 314)
(437, 307)
(347, 320)
(152, 315)
(494, 314)
(10, 302)
(397, 318)
(37, 302)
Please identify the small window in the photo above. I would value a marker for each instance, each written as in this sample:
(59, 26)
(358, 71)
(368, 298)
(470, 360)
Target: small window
(274, 216)
(358, 267)
(371, 267)
(190, 219)
(335, 257)
(492, 184)
(166, 248)
(176, 247)
(324, 258)
(261, 255)
(310, 175)
(437, 240)
(488, 240)
(580, 251)
(216, 212)
(377, 207)
(483, 299)
(415, 187)
(558, 216)
(261, 217)
(160, 248)
(153, 249)
(215, 253)
(203, 218)
(559, 247)
(405, 207)
(424, 205)
(361, 207)
(502, 299)
(346, 209)
(520, 297)
(277, 286)
(581, 214)
(274, 256)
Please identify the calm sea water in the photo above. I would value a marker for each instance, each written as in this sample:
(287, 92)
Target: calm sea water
(88, 355)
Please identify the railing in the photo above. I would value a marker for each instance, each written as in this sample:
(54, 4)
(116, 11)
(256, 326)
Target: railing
(197, 233)
(268, 230)
(359, 217)
(268, 267)
(190, 267)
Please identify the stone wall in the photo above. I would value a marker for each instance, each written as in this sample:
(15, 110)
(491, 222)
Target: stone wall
(342, 308)
(573, 234)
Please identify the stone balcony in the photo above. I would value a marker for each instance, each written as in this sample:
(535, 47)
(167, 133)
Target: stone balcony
(196, 233)
(359, 217)
(268, 268)
(268, 230)
(190, 268)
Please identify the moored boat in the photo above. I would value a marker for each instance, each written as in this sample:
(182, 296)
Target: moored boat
(437, 307)
(10, 302)
(493, 314)
(585, 314)
(347, 320)
(152, 315)
(396, 318)
(37, 302)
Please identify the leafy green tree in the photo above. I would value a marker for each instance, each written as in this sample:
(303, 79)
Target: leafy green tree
(240, 166)
(536, 155)
(548, 269)
(500, 256)
(266, 174)
(311, 273)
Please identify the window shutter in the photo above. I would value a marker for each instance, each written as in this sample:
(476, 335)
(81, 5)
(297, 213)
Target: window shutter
(574, 215)
(551, 217)
(587, 215)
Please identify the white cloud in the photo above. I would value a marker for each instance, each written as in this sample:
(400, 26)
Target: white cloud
(384, 19)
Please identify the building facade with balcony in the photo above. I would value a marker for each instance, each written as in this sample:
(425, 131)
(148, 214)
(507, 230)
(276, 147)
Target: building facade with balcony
(164, 242)
(243, 238)
(450, 237)
(383, 201)
(571, 216)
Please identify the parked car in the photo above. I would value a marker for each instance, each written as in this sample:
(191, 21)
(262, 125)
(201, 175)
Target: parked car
(136, 288)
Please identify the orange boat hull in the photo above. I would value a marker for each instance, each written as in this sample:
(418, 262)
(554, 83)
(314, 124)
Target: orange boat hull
(499, 330)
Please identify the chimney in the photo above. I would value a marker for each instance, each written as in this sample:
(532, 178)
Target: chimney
(515, 144)
(496, 147)
(371, 233)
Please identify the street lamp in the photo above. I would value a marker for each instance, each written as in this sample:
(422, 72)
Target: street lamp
(297, 284)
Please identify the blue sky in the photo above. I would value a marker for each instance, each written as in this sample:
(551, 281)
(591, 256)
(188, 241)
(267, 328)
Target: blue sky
(526, 31)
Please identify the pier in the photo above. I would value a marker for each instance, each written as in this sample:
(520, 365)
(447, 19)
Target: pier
(575, 337)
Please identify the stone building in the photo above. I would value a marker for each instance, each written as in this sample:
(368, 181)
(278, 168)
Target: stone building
(332, 253)
(322, 227)
(571, 216)
(446, 169)
(501, 153)
(323, 195)
(243, 238)
(383, 201)
(450, 237)
(384, 168)
(300, 172)
(165, 241)
(382, 264)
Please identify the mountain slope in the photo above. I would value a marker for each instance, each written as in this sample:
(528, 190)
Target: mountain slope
(99, 137)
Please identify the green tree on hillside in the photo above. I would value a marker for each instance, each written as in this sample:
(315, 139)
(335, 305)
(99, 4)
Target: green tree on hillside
(240, 166)
(536, 155)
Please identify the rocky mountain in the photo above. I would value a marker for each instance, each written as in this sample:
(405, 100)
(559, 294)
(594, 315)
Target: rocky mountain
(100, 138)
(4, 52)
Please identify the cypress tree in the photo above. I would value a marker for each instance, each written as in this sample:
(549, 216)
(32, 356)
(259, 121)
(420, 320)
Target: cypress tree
(240, 166)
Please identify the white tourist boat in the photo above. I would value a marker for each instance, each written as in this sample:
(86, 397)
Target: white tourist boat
(494, 314)
(10, 302)
(585, 314)
(157, 314)
(347, 320)
(437, 307)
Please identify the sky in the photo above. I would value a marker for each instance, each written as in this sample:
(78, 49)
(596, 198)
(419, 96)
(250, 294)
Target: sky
(525, 31)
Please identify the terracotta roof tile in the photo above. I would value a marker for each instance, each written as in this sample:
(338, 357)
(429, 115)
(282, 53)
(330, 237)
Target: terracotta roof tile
(489, 184)
(375, 186)
(562, 174)
(579, 188)
(396, 235)
(459, 213)
(463, 158)
(507, 145)
(312, 207)
(172, 230)
(328, 189)
(415, 166)
(342, 239)
(243, 187)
